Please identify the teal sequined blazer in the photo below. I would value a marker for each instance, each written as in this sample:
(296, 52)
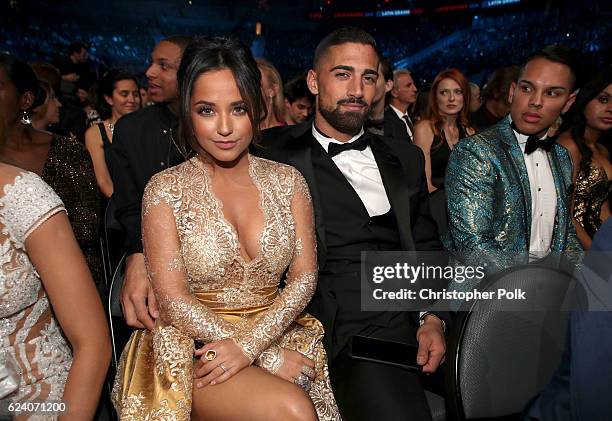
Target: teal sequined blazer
(489, 199)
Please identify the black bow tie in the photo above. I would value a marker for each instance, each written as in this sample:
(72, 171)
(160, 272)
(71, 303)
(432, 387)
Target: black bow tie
(534, 142)
(360, 144)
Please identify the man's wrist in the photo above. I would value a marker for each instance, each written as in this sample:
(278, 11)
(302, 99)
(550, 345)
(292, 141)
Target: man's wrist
(432, 318)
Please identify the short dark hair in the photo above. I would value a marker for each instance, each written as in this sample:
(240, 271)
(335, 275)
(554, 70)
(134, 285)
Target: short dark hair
(76, 47)
(107, 85)
(180, 41)
(386, 67)
(343, 36)
(47, 73)
(204, 54)
(557, 54)
(297, 88)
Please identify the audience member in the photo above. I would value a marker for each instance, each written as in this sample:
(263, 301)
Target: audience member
(48, 112)
(272, 87)
(119, 96)
(475, 99)
(144, 143)
(55, 357)
(507, 203)
(495, 96)
(299, 101)
(354, 213)
(62, 162)
(194, 211)
(398, 123)
(447, 123)
(376, 119)
(590, 122)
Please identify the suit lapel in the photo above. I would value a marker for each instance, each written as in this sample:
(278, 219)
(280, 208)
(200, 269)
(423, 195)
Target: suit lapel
(300, 156)
(394, 181)
(516, 155)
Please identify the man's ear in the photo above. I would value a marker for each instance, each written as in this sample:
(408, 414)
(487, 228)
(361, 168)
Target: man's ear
(312, 82)
(388, 85)
(511, 92)
(570, 102)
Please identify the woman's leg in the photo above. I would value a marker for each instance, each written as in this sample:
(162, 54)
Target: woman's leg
(252, 394)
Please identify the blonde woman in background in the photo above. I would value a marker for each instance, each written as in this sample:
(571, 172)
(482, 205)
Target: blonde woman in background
(272, 89)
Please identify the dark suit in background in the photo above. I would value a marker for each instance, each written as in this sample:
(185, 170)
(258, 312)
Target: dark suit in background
(363, 390)
(395, 127)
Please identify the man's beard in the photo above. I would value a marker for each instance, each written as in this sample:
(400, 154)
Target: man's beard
(348, 122)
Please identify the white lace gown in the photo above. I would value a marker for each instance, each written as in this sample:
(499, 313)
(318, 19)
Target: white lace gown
(29, 332)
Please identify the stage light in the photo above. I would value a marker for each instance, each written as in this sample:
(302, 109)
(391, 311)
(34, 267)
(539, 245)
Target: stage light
(258, 29)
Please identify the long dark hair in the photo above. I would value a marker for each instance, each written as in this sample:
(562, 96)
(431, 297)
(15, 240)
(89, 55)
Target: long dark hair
(576, 120)
(107, 85)
(204, 54)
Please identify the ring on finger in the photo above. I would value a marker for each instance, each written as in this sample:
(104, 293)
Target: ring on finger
(309, 371)
(210, 355)
(222, 367)
(303, 381)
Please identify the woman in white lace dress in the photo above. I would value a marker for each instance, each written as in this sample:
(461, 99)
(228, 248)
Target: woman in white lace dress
(52, 326)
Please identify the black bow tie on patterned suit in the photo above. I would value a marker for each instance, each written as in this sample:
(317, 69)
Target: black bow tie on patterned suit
(360, 144)
(534, 142)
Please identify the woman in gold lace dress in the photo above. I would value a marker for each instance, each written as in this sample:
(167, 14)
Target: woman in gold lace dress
(590, 124)
(219, 231)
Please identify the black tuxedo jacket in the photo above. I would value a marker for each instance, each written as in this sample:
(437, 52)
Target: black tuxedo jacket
(402, 168)
(395, 127)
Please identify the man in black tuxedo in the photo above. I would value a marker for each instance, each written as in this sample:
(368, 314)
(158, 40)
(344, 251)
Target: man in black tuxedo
(369, 193)
(398, 123)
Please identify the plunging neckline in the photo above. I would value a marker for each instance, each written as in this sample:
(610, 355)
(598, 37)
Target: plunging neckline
(218, 206)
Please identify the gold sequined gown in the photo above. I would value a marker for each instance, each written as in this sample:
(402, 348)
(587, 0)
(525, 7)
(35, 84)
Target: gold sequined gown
(593, 189)
(207, 290)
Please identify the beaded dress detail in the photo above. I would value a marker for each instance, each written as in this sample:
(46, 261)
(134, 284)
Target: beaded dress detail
(29, 332)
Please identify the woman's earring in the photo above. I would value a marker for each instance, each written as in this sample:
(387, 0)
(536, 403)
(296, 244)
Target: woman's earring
(554, 129)
(25, 118)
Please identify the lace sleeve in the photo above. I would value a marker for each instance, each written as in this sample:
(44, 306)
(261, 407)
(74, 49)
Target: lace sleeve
(301, 280)
(165, 266)
(26, 205)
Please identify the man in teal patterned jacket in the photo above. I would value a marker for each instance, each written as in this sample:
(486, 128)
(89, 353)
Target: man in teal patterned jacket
(509, 187)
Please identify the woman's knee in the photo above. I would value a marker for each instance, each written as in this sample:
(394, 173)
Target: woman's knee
(294, 405)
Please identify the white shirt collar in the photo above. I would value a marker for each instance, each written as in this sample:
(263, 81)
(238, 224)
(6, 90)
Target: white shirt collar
(325, 141)
(522, 138)
(398, 112)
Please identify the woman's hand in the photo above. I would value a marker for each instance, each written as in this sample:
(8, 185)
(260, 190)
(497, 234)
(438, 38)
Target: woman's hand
(228, 360)
(294, 364)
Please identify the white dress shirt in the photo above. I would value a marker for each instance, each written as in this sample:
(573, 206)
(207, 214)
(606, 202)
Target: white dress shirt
(361, 171)
(401, 117)
(543, 199)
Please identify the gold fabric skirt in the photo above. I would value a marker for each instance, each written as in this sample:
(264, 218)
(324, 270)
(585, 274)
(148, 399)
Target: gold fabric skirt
(155, 375)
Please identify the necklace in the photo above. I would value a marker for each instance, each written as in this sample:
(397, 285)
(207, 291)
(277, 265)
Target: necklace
(111, 127)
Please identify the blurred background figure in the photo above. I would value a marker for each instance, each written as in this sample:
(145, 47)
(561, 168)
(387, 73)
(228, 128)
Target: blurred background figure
(299, 102)
(475, 99)
(118, 96)
(272, 88)
(589, 124)
(495, 97)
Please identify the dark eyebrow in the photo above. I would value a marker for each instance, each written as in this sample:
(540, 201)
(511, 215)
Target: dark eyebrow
(342, 67)
(370, 72)
(561, 88)
(212, 104)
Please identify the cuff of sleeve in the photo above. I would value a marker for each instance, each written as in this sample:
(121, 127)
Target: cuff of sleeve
(247, 349)
(424, 314)
(271, 359)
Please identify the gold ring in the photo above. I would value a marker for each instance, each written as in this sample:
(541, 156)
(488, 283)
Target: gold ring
(210, 355)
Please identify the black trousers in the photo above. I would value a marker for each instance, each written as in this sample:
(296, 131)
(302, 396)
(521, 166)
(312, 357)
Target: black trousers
(368, 391)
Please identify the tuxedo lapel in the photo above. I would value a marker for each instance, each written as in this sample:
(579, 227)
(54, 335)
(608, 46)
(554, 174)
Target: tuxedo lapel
(393, 178)
(300, 156)
(517, 159)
